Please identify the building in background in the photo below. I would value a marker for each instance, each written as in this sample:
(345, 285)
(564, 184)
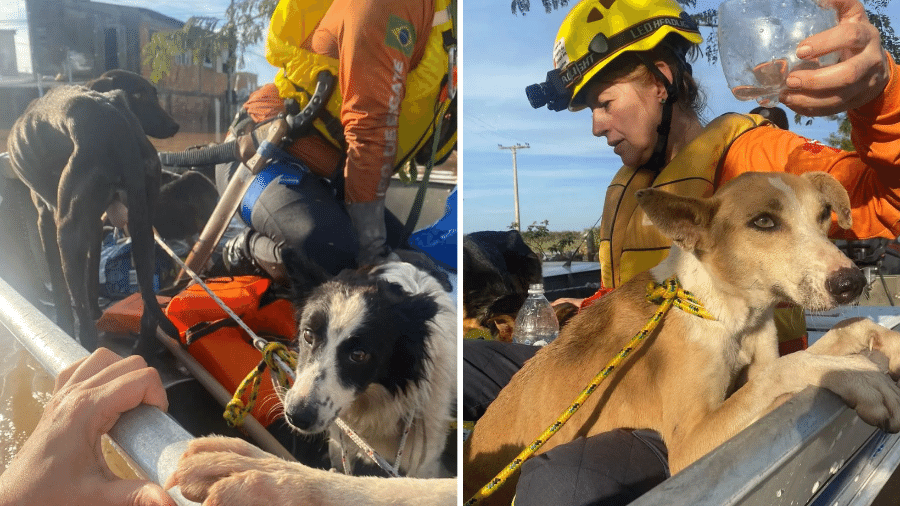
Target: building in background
(72, 41)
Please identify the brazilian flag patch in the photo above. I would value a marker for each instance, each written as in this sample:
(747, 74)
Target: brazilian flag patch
(400, 35)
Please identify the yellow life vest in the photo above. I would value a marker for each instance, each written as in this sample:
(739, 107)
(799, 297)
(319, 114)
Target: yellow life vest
(628, 242)
(292, 23)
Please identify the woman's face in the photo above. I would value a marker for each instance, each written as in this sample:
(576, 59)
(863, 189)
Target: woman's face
(627, 114)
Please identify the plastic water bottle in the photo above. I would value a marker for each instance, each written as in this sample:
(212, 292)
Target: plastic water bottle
(536, 321)
(758, 42)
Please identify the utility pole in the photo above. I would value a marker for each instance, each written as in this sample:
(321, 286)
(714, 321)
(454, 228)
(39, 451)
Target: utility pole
(516, 179)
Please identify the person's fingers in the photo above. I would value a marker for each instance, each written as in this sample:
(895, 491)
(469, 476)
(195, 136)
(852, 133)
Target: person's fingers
(142, 386)
(86, 367)
(134, 493)
(848, 38)
(847, 10)
(115, 370)
(857, 79)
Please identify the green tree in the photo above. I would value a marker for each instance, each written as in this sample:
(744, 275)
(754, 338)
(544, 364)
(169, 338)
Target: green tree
(244, 26)
(841, 138)
(536, 236)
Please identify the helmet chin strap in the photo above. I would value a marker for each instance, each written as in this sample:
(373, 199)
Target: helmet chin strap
(658, 159)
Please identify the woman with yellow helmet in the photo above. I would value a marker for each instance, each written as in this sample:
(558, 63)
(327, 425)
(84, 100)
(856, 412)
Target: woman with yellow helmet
(628, 62)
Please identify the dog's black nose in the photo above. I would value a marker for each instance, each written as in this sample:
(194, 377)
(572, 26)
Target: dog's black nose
(301, 418)
(846, 284)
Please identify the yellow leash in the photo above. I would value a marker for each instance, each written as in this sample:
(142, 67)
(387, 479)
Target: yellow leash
(666, 294)
(237, 409)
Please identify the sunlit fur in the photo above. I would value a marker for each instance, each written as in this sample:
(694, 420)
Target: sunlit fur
(758, 242)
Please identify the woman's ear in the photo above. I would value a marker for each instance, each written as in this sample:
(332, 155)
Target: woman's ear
(663, 67)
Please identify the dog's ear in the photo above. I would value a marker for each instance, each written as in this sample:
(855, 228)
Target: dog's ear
(410, 317)
(835, 194)
(303, 273)
(685, 220)
(101, 84)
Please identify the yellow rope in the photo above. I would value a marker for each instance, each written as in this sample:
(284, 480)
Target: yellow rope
(666, 294)
(237, 410)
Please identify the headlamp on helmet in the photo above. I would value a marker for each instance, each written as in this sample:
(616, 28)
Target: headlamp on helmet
(552, 93)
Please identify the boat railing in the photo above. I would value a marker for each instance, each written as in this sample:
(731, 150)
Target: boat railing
(152, 441)
(811, 450)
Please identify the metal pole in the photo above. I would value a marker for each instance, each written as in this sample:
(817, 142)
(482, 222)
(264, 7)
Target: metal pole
(516, 180)
(153, 441)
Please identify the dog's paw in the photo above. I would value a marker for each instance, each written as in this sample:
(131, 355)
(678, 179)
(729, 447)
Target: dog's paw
(211, 460)
(858, 335)
(866, 388)
(247, 488)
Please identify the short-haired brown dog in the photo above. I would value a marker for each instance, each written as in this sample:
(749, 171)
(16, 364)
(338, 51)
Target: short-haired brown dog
(760, 240)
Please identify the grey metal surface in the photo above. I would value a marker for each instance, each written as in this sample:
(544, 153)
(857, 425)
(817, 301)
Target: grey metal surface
(783, 459)
(551, 269)
(151, 439)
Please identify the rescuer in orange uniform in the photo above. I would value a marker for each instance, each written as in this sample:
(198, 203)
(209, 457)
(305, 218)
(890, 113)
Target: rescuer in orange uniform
(326, 195)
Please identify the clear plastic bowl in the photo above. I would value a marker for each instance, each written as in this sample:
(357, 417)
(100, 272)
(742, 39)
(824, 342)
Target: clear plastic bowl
(758, 42)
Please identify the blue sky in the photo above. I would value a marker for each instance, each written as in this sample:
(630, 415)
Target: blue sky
(564, 174)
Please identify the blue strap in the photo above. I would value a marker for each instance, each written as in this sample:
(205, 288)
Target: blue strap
(286, 170)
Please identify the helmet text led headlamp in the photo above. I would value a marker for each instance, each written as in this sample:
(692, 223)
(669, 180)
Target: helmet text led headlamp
(556, 93)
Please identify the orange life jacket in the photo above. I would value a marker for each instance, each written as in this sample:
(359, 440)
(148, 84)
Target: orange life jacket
(223, 348)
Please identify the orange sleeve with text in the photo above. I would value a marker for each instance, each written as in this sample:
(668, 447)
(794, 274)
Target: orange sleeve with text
(377, 42)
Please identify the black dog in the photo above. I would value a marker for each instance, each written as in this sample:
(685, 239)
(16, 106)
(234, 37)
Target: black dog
(78, 149)
(497, 269)
(184, 205)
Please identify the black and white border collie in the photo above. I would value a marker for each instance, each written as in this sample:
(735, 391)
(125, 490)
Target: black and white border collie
(376, 345)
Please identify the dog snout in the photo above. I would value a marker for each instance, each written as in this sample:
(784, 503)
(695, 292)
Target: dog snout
(845, 284)
(163, 128)
(302, 417)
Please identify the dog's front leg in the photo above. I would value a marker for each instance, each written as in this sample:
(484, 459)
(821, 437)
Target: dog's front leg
(81, 200)
(857, 380)
(62, 301)
(93, 271)
(226, 471)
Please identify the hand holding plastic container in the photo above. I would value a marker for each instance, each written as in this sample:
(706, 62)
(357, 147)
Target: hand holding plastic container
(536, 321)
(758, 42)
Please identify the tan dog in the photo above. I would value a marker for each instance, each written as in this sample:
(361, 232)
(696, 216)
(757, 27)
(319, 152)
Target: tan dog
(760, 240)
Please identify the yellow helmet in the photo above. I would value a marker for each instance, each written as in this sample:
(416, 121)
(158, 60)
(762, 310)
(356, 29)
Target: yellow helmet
(595, 32)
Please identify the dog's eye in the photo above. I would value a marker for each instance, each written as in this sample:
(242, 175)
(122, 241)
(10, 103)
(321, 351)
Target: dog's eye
(308, 336)
(359, 356)
(763, 222)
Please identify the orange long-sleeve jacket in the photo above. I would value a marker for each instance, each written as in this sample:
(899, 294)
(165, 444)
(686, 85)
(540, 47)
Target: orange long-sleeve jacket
(871, 174)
